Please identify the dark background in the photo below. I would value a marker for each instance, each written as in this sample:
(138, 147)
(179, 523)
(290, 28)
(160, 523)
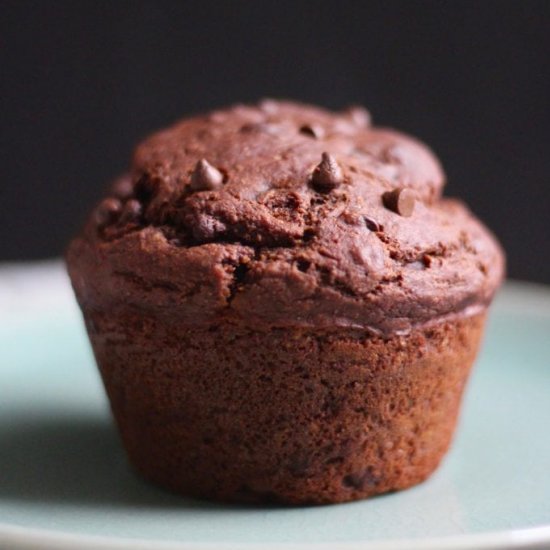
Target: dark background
(80, 83)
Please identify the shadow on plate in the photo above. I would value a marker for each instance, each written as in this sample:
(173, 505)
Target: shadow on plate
(75, 461)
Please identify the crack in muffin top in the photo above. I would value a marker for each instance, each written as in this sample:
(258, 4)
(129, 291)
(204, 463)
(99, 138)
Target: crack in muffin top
(285, 214)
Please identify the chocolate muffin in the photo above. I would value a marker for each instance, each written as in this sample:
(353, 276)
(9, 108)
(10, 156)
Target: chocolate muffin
(282, 305)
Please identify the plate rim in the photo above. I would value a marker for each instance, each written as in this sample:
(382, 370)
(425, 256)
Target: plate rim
(17, 537)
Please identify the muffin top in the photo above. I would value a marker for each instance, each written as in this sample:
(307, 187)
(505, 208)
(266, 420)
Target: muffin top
(284, 214)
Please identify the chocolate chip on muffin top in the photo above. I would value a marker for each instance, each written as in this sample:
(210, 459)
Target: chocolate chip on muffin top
(288, 215)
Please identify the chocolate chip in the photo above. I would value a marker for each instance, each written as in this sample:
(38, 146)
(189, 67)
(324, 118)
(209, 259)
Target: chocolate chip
(131, 212)
(358, 115)
(427, 260)
(122, 188)
(401, 201)
(206, 177)
(107, 211)
(371, 224)
(327, 174)
(314, 130)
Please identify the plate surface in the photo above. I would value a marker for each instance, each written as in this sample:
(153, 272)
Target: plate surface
(64, 482)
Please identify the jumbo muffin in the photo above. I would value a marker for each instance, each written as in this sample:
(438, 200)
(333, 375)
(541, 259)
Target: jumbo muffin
(282, 306)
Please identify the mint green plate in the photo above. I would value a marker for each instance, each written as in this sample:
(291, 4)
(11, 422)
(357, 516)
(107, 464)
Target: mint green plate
(64, 482)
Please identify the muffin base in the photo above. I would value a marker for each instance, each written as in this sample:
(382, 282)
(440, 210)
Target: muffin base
(291, 415)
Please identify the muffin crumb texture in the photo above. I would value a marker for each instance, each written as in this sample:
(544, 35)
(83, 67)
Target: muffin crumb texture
(301, 416)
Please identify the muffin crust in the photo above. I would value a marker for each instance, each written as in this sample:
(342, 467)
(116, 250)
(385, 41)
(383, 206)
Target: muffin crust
(265, 236)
